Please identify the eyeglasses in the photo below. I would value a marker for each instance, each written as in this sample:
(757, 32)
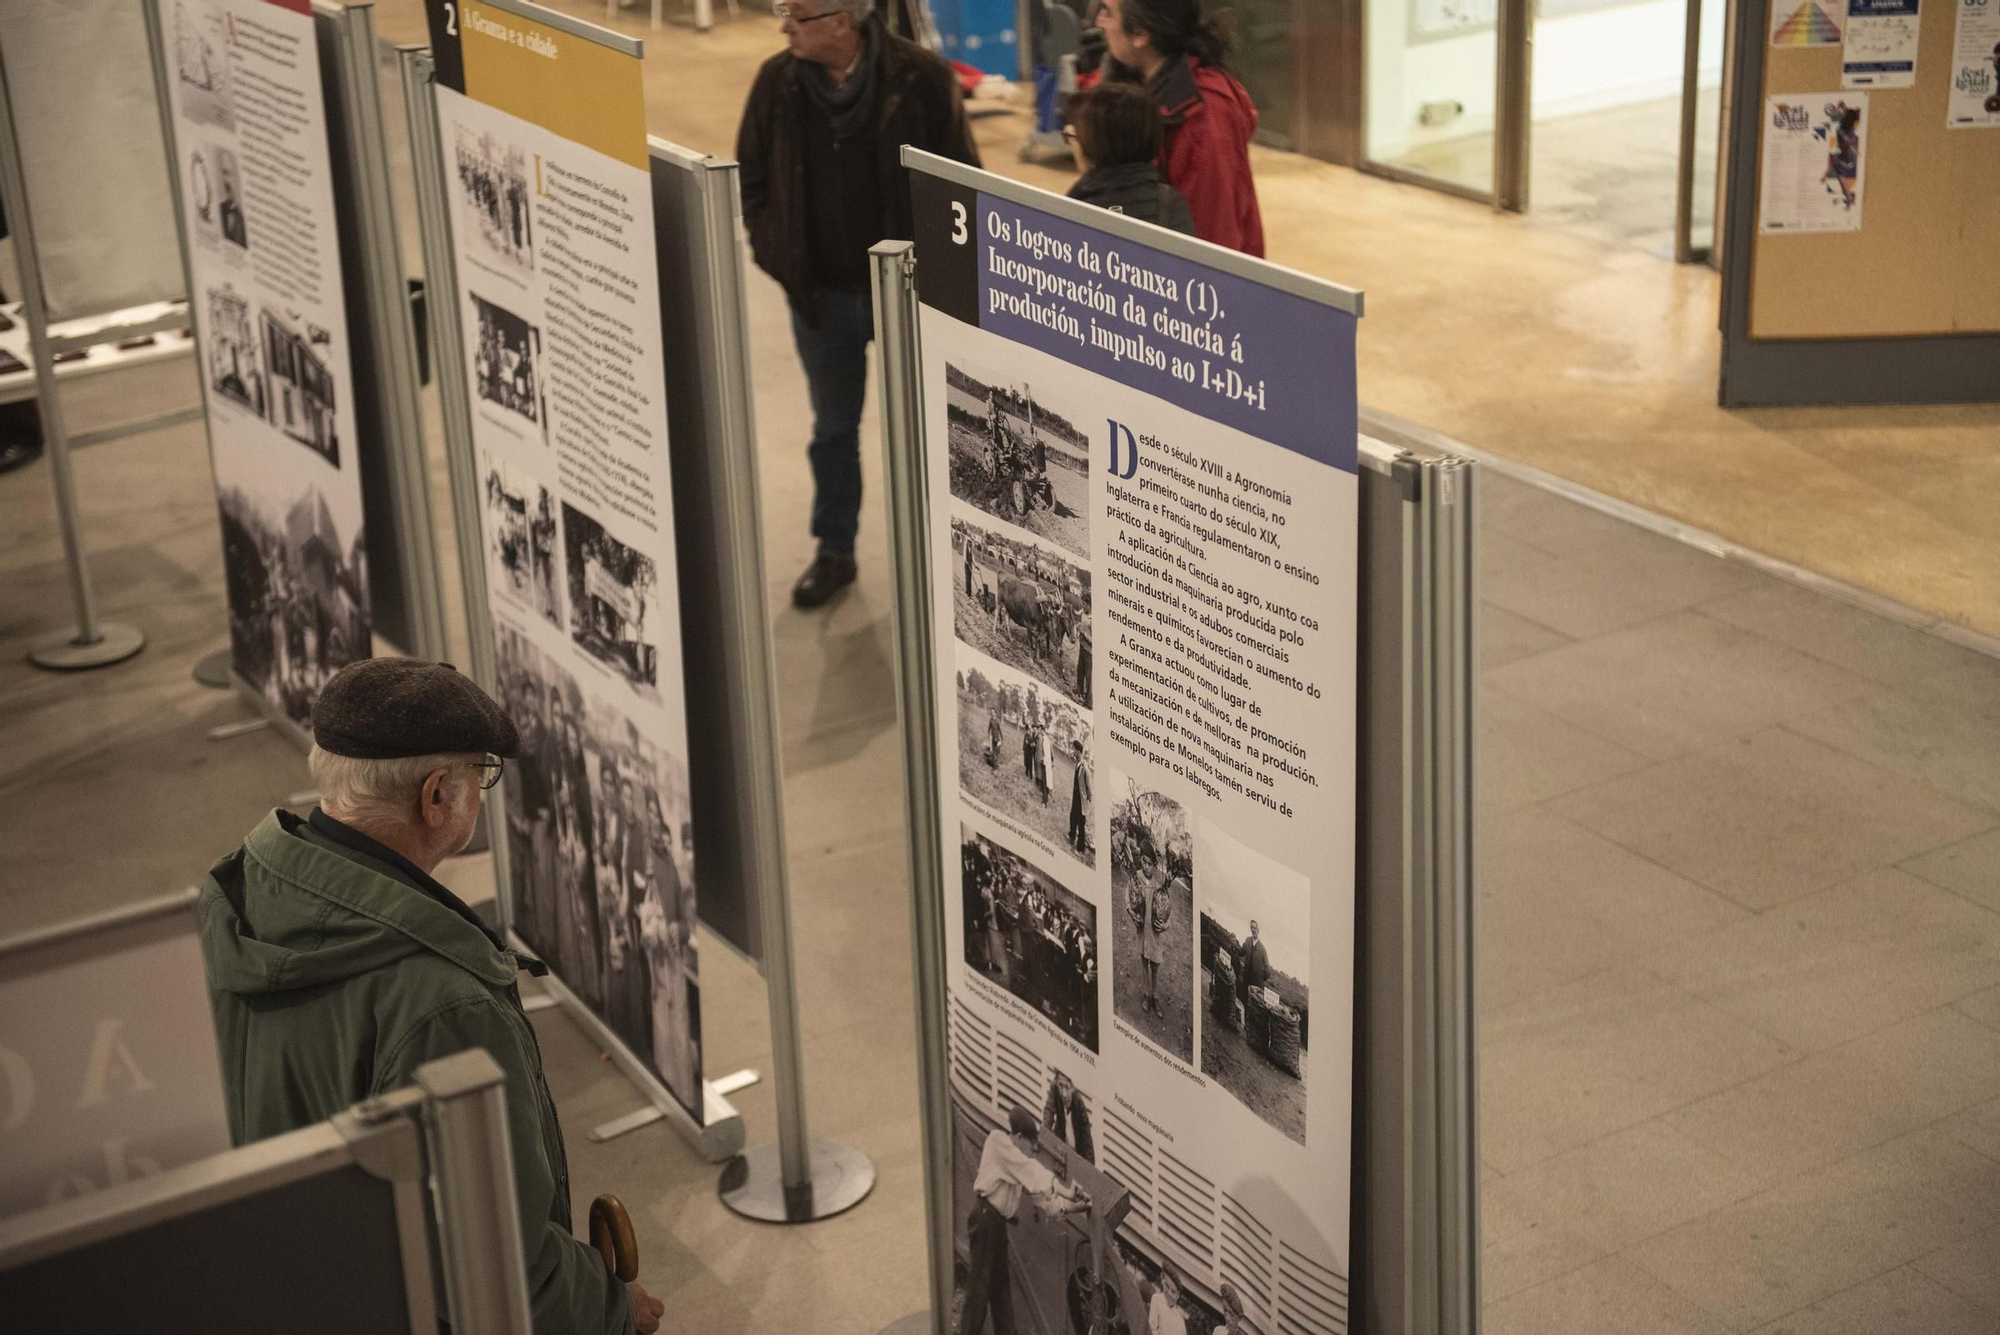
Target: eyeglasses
(788, 11)
(1069, 134)
(490, 770)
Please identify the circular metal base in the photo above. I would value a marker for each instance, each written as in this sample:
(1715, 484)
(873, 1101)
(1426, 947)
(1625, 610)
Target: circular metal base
(916, 1323)
(753, 1184)
(61, 652)
(214, 671)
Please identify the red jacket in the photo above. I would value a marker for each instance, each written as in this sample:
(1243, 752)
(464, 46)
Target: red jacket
(1207, 155)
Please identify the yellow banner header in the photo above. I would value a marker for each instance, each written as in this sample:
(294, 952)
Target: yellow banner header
(582, 90)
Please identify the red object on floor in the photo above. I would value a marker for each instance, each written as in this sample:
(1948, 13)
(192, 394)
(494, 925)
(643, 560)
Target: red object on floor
(969, 78)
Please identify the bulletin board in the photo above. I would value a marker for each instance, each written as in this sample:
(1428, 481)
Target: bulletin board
(1926, 260)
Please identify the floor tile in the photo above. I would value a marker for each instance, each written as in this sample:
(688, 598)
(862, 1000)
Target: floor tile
(1970, 1269)
(1945, 729)
(1827, 1231)
(1611, 1295)
(1505, 637)
(1840, 633)
(1903, 1299)
(1558, 902)
(1677, 684)
(1970, 867)
(1841, 1101)
(1826, 968)
(1549, 1218)
(1771, 817)
(1614, 580)
(1529, 755)
(1978, 1127)
(1581, 1061)
(1983, 1007)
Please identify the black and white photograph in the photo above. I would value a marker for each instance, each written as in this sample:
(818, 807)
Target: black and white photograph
(1029, 934)
(1022, 603)
(300, 400)
(201, 66)
(521, 547)
(506, 368)
(603, 861)
(614, 602)
(229, 200)
(499, 198)
(216, 190)
(234, 369)
(1254, 953)
(1019, 458)
(1152, 911)
(1067, 1259)
(298, 595)
(1024, 752)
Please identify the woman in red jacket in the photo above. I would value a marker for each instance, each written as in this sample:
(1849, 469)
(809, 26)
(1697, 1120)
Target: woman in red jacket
(1181, 54)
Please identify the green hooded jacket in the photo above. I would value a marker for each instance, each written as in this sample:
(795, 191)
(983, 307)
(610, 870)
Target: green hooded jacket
(333, 976)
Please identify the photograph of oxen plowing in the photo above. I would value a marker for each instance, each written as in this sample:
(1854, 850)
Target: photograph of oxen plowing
(1022, 603)
(1025, 753)
(1018, 458)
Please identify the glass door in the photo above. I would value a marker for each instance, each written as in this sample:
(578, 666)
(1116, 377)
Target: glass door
(1444, 81)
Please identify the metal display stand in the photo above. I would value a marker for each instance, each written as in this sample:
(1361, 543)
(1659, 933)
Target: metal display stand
(1415, 1217)
(406, 583)
(736, 762)
(403, 559)
(719, 1134)
(335, 1214)
(90, 642)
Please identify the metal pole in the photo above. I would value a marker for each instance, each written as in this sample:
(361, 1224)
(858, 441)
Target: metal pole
(814, 1179)
(454, 399)
(478, 1208)
(1684, 166)
(1448, 506)
(89, 643)
(916, 690)
(396, 345)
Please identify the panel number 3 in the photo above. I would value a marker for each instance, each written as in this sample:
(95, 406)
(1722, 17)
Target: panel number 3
(958, 234)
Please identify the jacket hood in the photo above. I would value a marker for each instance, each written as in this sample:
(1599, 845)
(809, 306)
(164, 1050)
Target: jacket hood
(1223, 97)
(289, 910)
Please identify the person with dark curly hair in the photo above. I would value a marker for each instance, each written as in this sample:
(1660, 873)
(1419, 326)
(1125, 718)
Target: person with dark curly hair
(1180, 55)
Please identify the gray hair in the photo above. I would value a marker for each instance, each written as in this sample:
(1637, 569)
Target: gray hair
(374, 794)
(856, 10)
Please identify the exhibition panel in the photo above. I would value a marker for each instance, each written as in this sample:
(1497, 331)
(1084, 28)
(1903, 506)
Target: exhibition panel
(553, 359)
(1101, 435)
(247, 138)
(108, 1067)
(77, 71)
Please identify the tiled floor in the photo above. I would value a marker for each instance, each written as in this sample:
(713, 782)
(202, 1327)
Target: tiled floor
(1741, 964)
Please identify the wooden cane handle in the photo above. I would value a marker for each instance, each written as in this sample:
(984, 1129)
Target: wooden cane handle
(611, 1234)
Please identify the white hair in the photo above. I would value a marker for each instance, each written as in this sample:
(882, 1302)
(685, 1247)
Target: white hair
(382, 794)
(856, 10)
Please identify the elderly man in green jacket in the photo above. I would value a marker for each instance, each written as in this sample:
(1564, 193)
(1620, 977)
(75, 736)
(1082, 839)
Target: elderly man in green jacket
(337, 964)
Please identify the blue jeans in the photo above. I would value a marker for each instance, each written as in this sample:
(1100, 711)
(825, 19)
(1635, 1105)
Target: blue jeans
(835, 356)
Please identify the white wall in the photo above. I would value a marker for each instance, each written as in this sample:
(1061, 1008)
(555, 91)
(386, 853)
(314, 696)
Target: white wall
(1582, 62)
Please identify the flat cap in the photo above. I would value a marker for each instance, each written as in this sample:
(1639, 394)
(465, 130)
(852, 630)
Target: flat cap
(387, 708)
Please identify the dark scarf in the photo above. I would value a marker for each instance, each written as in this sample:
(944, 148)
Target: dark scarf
(850, 107)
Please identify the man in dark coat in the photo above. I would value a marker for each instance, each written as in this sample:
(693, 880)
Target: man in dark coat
(1254, 968)
(820, 149)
